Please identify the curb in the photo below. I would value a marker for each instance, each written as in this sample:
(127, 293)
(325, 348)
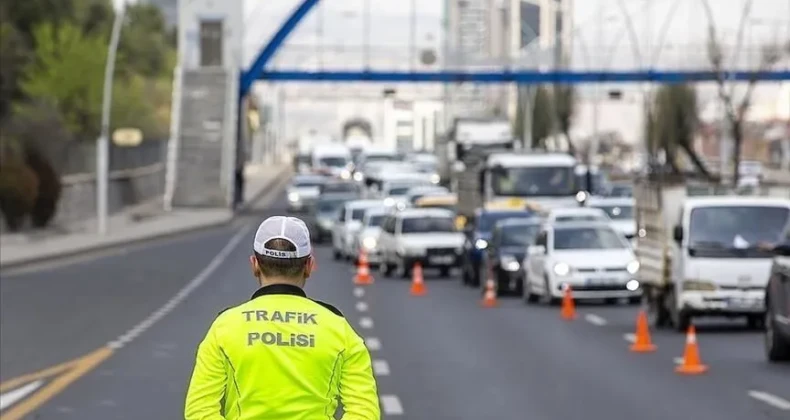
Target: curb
(111, 244)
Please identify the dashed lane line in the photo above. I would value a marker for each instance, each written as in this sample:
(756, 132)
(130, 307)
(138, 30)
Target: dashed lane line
(770, 399)
(366, 322)
(373, 343)
(595, 320)
(362, 306)
(359, 292)
(391, 406)
(630, 337)
(182, 294)
(381, 367)
(678, 360)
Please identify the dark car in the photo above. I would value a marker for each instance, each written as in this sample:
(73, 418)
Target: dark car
(777, 297)
(478, 232)
(340, 187)
(325, 212)
(506, 251)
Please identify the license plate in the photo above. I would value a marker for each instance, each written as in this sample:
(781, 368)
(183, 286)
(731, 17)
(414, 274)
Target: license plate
(742, 303)
(441, 260)
(600, 282)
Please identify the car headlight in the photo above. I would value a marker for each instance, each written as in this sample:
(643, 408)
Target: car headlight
(562, 269)
(293, 197)
(435, 178)
(389, 201)
(481, 244)
(632, 285)
(509, 263)
(358, 176)
(345, 174)
(369, 242)
(699, 285)
(632, 267)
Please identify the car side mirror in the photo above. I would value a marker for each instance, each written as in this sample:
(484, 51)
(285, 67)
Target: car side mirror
(677, 233)
(536, 250)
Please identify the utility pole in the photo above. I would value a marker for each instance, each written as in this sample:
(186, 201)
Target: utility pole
(103, 143)
(592, 148)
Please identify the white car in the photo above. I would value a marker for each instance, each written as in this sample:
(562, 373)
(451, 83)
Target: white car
(620, 210)
(394, 190)
(304, 191)
(577, 214)
(425, 236)
(591, 257)
(415, 193)
(367, 238)
(349, 222)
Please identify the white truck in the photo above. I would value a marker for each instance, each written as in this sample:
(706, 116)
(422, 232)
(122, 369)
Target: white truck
(467, 140)
(705, 255)
(542, 180)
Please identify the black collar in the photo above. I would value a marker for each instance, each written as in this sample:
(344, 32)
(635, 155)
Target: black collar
(279, 289)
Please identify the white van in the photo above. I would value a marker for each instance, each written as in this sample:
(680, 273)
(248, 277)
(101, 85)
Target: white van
(332, 159)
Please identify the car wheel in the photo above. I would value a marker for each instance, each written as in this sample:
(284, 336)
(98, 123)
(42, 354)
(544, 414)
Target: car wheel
(444, 271)
(777, 346)
(635, 300)
(529, 296)
(755, 322)
(336, 254)
(548, 297)
(401, 270)
(611, 301)
(385, 268)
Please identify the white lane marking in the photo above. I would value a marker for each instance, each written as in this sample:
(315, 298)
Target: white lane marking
(359, 292)
(631, 338)
(373, 343)
(391, 405)
(182, 294)
(11, 397)
(678, 360)
(381, 367)
(770, 399)
(595, 319)
(366, 322)
(362, 306)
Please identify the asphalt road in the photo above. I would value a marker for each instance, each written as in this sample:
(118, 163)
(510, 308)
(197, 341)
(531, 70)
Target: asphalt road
(439, 356)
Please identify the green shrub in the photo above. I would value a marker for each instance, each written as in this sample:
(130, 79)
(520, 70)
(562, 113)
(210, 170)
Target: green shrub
(18, 192)
(49, 187)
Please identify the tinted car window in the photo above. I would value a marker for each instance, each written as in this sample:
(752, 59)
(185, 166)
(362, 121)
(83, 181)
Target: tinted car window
(519, 235)
(357, 214)
(587, 238)
(486, 221)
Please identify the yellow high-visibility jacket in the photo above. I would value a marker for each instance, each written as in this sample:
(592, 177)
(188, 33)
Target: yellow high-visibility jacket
(282, 356)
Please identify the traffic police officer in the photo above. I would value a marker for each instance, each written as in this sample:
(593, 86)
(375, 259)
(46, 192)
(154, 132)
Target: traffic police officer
(281, 355)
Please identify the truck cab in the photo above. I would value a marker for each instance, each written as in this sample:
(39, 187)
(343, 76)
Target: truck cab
(706, 256)
(545, 179)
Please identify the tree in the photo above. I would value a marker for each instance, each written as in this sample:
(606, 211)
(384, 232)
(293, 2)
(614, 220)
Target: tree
(565, 107)
(672, 123)
(542, 117)
(14, 57)
(735, 110)
(145, 47)
(66, 72)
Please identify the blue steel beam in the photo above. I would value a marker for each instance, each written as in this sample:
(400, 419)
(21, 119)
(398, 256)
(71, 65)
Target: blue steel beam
(520, 77)
(266, 54)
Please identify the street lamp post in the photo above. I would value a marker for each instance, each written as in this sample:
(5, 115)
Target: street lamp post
(103, 144)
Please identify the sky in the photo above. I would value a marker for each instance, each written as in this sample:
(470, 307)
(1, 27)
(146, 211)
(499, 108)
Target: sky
(612, 46)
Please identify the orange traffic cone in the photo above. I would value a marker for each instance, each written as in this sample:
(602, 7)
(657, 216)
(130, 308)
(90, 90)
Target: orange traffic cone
(568, 311)
(363, 276)
(643, 343)
(417, 283)
(692, 365)
(489, 297)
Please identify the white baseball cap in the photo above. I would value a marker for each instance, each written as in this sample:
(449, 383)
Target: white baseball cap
(290, 229)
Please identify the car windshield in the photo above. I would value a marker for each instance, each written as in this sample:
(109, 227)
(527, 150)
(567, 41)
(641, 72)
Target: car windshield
(519, 235)
(381, 158)
(329, 206)
(450, 207)
(340, 187)
(587, 238)
(427, 224)
(735, 231)
(399, 190)
(333, 161)
(308, 183)
(621, 191)
(487, 221)
(358, 214)
(534, 181)
(375, 220)
(618, 212)
(579, 218)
